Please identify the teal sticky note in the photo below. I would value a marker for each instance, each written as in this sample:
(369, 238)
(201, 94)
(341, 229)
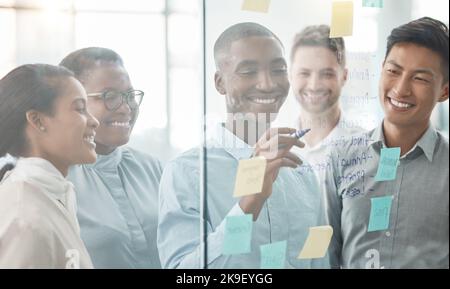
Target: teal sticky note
(380, 212)
(387, 168)
(373, 3)
(273, 255)
(238, 235)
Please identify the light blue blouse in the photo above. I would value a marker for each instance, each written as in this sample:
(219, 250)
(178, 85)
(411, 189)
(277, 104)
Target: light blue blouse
(117, 201)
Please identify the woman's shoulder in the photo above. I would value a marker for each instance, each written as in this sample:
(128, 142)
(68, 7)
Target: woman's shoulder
(28, 226)
(16, 188)
(25, 202)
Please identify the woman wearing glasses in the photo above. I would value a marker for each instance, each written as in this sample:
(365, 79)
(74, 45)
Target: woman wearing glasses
(118, 195)
(45, 125)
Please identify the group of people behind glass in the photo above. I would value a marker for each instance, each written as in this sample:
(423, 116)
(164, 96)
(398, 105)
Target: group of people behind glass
(73, 195)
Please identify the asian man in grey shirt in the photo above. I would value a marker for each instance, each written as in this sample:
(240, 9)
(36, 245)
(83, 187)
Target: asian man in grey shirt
(402, 221)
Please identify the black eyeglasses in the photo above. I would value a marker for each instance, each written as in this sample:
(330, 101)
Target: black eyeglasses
(114, 99)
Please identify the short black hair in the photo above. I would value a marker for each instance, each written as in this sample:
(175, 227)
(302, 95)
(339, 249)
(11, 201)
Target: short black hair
(237, 32)
(82, 60)
(427, 32)
(319, 35)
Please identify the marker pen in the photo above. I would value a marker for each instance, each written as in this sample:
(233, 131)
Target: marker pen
(298, 134)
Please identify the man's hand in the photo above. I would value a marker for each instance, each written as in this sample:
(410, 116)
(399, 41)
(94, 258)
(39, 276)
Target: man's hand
(275, 147)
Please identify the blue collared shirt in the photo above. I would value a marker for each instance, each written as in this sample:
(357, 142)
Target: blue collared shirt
(294, 206)
(117, 208)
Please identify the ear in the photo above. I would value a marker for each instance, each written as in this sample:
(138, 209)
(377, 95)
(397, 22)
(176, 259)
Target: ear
(444, 93)
(345, 75)
(35, 120)
(218, 81)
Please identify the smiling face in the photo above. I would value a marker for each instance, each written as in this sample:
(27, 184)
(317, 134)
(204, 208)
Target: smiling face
(70, 130)
(253, 76)
(115, 126)
(411, 84)
(317, 78)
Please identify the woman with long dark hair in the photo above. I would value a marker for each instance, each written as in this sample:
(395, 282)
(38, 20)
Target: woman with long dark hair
(45, 125)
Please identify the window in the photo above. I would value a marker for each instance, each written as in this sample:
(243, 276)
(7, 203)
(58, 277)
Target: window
(158, 40)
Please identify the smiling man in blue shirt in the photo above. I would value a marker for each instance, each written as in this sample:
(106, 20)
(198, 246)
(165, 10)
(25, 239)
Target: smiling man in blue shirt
(252, 76)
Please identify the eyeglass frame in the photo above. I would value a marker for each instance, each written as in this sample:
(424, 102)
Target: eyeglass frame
(123, 94)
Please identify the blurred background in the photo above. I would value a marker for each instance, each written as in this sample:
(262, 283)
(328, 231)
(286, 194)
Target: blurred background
(161, 44)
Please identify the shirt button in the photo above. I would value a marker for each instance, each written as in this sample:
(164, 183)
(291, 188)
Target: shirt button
(388, 234)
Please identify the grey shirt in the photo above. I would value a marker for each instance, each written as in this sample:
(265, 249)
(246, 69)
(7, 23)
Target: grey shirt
(418, 232)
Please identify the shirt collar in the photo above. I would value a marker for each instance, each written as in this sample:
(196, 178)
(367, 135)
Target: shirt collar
(223, 138)
(45, 174)
(109, 161)
(377, 136)
(427, 142)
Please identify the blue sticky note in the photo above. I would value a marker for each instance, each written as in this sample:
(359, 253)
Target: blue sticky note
(373, 3)
(387, 168)
(273, 255)
(238, 235)
(380, 212)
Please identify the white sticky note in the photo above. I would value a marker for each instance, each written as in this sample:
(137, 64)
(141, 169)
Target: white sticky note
(250, 177)
(341, 19)
(317, 243)
(256, 5)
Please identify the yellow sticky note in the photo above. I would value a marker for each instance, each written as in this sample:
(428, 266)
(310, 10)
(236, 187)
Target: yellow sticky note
(250, 177)
(341, 19)
(317, 243)
(256, 5)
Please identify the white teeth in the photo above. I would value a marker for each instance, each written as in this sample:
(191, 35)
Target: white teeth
(264, 100)
(314, 96)
(89, 139)
(400, 104)
(121, 124)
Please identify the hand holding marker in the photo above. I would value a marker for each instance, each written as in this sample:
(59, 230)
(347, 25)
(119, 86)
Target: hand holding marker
(298, 134)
